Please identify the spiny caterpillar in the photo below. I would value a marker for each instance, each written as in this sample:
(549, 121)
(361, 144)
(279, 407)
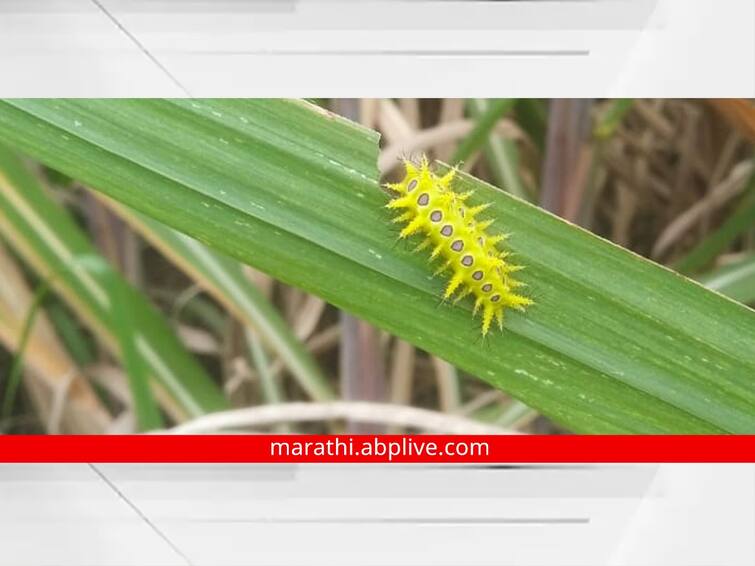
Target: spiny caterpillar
(430, 206)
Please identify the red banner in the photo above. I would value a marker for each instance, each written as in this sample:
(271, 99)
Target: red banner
(379, 448)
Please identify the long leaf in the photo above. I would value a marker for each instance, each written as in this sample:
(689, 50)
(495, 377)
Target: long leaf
(736, 280)
(225, 280)
(15, 372)
(49, 369)
(742, 219)
(46, 236)
(614, 344)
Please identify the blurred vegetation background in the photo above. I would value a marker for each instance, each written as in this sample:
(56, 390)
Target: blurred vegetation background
(672, 180)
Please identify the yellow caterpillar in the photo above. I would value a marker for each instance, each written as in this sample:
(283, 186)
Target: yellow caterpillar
(458, 238)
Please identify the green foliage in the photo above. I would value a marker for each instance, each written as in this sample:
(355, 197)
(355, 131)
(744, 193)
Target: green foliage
(615, 344)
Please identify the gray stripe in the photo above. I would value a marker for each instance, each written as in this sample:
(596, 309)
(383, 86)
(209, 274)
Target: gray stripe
(141, 47)
(460, 521)
(141, 515)
(391, 52)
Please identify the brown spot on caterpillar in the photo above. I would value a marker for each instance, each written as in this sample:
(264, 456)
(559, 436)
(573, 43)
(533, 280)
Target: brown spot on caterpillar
(487, 288)
(457, 245)
(467, 260)
(477, 275)
(495, 298)
(436, 216)
(412, 185)
(423, 199)
(447, 230)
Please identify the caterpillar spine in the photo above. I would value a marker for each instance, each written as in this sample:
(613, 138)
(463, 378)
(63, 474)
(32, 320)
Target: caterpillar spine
(460, 240)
